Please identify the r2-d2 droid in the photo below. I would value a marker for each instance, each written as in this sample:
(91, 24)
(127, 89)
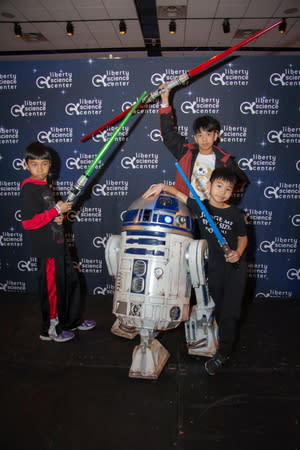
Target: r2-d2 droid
(155, 262)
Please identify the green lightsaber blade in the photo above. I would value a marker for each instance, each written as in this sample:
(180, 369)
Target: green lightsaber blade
(82, 180)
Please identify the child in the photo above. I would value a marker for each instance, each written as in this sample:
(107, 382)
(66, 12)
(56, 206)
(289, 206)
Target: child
(58, 285)
(200, 159)
(226, 279)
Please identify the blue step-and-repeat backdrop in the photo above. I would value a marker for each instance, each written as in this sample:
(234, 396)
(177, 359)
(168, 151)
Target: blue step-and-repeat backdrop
(256, 99)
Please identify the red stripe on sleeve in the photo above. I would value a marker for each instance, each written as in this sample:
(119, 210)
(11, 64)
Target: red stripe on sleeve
(40, 220)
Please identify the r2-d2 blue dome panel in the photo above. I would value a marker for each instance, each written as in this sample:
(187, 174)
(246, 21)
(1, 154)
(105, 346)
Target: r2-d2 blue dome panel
(164, 213)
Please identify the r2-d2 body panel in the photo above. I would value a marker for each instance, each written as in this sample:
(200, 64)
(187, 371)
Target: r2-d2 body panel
(152, 289)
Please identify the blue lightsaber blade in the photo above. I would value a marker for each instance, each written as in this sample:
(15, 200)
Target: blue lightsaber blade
(222, 241)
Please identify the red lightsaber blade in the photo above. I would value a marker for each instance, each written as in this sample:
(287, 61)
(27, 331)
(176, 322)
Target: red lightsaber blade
(230, 50)
(182, 79)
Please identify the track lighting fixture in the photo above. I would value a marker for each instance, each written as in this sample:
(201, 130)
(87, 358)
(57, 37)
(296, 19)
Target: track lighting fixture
(122, 27)
(226, 26)
(172, 27)
(18, 30)
(69, 29)
(282, 27)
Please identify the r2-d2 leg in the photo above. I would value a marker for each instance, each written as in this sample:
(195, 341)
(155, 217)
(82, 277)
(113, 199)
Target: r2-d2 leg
(112, 256)
(201, 329)
(149, 357)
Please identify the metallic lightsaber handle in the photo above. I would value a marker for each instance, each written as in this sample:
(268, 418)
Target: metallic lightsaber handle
(77, 188)
(178, 81)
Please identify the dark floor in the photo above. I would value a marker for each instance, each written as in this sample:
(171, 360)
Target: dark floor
(77, 395)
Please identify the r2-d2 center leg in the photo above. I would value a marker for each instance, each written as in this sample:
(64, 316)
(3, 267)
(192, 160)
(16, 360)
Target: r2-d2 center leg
(201, 329)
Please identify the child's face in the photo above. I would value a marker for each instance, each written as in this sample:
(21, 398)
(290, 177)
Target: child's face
(220, 191)
(39, 168)
(206, 139)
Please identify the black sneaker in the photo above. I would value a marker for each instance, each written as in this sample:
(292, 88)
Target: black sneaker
(214, 364)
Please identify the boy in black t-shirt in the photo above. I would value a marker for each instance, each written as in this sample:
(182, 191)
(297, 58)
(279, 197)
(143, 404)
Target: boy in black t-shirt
(226, 279)
(58, 284)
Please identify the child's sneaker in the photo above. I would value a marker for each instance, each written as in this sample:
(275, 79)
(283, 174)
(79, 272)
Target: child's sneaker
(86, 325)
(64, 336)
(44, 337)
(214, 364)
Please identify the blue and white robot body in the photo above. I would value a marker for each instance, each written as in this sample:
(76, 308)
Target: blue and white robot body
(155, 262)
(153, 285)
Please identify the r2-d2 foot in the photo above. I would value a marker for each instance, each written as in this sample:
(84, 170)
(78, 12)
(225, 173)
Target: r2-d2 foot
(148, 358)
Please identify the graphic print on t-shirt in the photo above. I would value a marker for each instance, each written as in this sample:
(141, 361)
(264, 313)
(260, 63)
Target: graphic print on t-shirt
(224, 225)
(204, 165)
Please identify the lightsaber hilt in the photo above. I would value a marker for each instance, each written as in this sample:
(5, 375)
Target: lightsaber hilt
(77, 188)
(178, 81)
(82, 180)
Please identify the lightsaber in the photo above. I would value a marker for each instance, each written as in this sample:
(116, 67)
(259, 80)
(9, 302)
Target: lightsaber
(184, 78)
(221, 240)
(82, 180)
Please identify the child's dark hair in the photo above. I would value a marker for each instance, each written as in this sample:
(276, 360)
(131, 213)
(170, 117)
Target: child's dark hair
(36, 150)
(224, 173)
(206, 123)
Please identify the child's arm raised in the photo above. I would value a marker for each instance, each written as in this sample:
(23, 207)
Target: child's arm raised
(156, 189)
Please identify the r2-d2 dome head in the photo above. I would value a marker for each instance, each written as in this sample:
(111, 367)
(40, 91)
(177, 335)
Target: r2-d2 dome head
(160, 213)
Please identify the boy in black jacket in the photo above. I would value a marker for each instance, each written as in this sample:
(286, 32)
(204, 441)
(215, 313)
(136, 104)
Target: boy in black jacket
(58, 284)
(197, 160)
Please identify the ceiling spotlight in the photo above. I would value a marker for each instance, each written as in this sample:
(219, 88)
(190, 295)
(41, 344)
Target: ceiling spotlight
(18, 30)
(172, 27)
(226, 26)
(122, 27)
(282, 27)
(69, 29)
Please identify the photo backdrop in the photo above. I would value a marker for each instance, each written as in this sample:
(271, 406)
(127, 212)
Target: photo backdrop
(256, 99)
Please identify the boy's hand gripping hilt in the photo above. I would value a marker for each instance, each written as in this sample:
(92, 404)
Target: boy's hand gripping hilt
(178, 81)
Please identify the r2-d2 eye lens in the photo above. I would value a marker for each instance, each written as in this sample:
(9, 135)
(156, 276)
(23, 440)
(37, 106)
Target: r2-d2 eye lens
(168, 219)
